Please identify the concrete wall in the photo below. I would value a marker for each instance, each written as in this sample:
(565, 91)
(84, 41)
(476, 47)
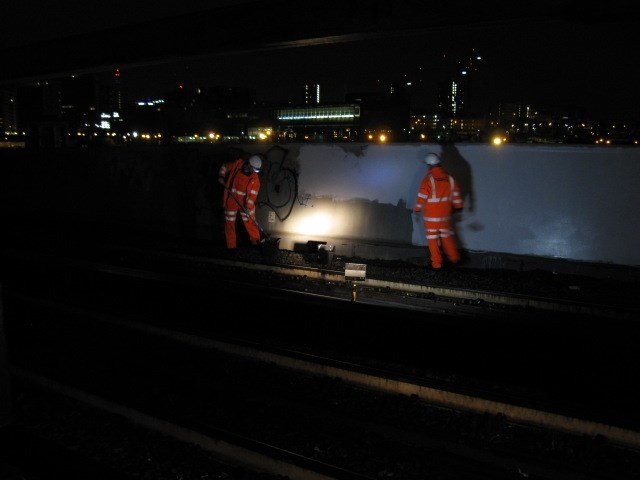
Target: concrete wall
(570, 202)
(552, 201)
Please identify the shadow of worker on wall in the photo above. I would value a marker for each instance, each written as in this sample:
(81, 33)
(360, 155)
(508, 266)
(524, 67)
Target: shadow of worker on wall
(458, 167)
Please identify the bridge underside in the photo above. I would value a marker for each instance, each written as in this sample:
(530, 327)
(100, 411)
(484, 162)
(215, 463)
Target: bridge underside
(277, 24)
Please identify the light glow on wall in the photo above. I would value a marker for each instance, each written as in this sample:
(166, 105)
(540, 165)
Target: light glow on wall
(316, 224)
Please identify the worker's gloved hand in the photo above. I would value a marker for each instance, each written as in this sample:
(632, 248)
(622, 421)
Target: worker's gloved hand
(221, 181)
(417, 216)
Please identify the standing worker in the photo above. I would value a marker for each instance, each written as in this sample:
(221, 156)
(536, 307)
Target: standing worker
(242, 185)
(438, 196)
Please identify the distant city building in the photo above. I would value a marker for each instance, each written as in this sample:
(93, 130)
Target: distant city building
(83, 109)
(78, 96)
(384, 112)
(115, 99)
(38, 114)
(311, 94)
(8, 122)
(455, 94)
(318, 123)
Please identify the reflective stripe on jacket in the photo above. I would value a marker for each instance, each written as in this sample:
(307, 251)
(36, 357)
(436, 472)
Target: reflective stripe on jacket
(244, 187)
(437, 196)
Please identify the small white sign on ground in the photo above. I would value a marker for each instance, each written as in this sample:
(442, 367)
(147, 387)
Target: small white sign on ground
(355, 272)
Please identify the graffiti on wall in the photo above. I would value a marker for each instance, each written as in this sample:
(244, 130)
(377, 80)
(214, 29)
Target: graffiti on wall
(279, 191)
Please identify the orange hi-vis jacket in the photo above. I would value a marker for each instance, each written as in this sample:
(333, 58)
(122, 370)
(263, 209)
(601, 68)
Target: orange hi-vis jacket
(437, 196)
(245, 188)
(240, 195)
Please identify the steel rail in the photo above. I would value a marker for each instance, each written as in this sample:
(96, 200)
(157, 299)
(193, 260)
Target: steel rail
(434, 392)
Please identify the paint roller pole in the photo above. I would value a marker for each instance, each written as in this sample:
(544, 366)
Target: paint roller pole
(247, 213)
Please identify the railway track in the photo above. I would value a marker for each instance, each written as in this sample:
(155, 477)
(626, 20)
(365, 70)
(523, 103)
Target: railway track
(617, 302)
(327, 412)
(283, 421)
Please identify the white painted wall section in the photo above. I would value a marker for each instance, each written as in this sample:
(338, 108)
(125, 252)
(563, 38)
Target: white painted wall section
(559, 201)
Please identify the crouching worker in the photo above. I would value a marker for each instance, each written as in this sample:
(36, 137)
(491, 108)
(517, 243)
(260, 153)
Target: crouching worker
(242, 185)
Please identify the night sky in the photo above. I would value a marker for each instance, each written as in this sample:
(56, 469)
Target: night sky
(585, 60)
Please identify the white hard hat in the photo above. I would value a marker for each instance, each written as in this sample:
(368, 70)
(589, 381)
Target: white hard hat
(256, 162)
(432, 159)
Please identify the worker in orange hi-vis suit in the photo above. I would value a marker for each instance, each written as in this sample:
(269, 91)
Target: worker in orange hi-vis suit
(438, 197)
(242, 185)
